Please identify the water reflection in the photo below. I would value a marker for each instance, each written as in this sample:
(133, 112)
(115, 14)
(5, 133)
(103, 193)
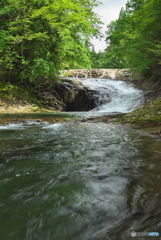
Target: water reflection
(78, 181)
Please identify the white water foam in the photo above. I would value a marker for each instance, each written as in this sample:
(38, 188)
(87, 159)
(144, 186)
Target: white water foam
(123, 96)
(12, 126)
(52, 126)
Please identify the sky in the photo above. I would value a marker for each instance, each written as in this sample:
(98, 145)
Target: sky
(108, 12)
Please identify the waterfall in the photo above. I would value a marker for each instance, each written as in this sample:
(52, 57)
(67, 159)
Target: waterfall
(99, 73)
(112, 75)
(123, 96)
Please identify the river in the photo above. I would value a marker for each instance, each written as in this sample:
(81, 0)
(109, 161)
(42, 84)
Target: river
(79, 180)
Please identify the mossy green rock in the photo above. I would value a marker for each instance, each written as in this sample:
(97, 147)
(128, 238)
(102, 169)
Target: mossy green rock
(148, 114)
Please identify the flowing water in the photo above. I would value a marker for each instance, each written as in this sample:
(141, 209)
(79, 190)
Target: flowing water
(116, 96)
(78, 181)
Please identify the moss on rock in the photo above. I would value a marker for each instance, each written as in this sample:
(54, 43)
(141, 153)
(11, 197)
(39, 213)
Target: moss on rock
(150, 114)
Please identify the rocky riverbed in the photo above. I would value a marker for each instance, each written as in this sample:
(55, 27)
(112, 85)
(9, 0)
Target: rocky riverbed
(71, 95)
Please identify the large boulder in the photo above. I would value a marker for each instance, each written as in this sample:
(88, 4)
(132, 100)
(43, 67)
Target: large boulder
(77, 97)
(69, 95)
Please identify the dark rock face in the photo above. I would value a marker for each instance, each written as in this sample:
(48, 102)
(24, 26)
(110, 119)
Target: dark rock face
(83, 101)
(69, 96)
(49, 98)
(77, 97)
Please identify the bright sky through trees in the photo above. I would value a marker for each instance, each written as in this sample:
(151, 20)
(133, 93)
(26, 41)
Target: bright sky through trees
(108, 12)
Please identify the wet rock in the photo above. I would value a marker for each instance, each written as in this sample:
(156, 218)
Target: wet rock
(121, 74)
(16, 106)
(68, 95)
(84, 100)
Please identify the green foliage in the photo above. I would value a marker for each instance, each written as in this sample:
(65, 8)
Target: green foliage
(39, 37)
(97, 59)
(40, 69)
(134, 38)
(111, 59)
(12, 92)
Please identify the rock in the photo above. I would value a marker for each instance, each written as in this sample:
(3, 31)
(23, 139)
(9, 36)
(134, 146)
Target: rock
(77, 97)
(82, 101)
(121, 74)
(15, 106)
(68, 95)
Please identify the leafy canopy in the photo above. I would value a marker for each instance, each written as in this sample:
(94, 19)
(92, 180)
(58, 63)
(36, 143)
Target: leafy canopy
(39, 37)
(134, 39)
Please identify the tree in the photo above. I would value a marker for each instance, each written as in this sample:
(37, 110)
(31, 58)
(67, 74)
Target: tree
(136, 35)
(39, 37)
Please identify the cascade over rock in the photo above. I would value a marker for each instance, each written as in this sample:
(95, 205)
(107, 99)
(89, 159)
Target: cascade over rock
(121, 74)
(69, 95)
(74, 94)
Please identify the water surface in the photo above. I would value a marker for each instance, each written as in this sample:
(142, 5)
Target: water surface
(80, 181)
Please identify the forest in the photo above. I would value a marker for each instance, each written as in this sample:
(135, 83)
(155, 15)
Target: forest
(134, 39)
(38, 38)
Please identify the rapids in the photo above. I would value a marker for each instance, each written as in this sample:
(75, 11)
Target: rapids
(78, 180)
(115, 96)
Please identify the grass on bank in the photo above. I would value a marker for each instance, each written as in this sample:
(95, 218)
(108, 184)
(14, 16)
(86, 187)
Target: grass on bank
(21, 93)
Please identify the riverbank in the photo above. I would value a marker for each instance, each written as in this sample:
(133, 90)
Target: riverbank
(55, 97)
(49, 96)
(149, 114)
(17, 106)
(27, 98)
